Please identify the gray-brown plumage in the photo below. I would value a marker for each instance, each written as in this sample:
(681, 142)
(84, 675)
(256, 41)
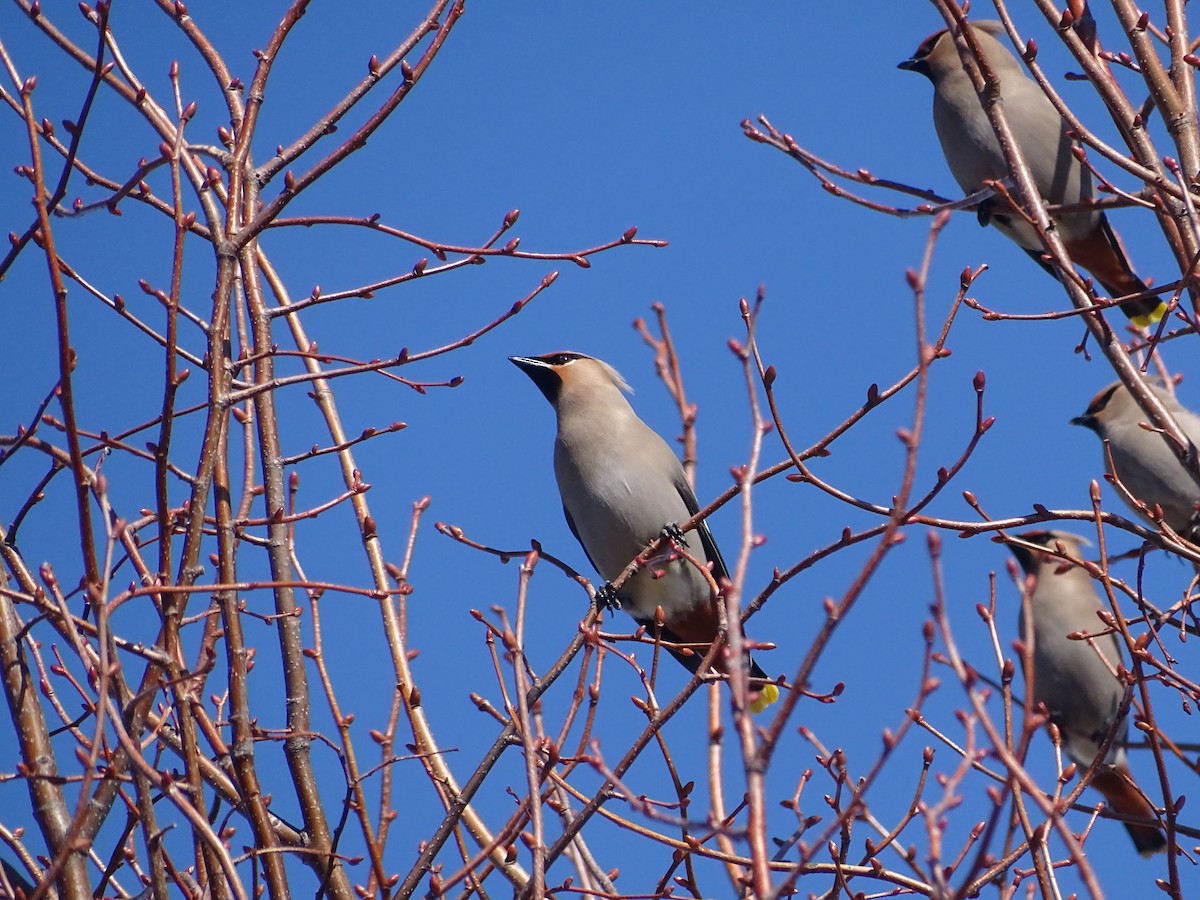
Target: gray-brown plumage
(621, 485)
(974, 155)
(1079, 689)
(1142, 460)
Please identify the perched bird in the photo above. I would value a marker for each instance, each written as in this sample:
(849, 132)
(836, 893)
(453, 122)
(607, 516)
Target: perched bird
(1142, 459)
(621, 487)
(1077, 687)
(973, 152)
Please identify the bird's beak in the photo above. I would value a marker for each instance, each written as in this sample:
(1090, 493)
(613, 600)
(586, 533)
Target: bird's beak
(1085, 421)
(524, 363)
(914, 65)
(541, 373)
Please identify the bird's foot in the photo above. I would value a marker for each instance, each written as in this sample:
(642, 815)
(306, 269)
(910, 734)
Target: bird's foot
(606, 597)
(673, 533)
(1192, 532)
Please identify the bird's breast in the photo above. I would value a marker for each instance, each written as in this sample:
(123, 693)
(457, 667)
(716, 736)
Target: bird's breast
(617, 511)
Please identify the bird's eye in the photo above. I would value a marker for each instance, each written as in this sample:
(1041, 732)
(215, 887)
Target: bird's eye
(559, 359)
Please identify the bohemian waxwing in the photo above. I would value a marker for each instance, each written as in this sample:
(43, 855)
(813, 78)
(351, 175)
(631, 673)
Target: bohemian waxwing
(1142, 459)
(621, 485)
(1080, 689)
(974, 155)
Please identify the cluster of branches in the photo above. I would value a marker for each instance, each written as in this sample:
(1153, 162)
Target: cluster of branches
(139, 783)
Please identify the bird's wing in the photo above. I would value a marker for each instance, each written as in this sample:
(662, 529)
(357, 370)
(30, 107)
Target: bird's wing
(575, 531)
(719, 569)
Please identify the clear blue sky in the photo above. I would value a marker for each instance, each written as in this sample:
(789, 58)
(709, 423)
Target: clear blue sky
(592, 120)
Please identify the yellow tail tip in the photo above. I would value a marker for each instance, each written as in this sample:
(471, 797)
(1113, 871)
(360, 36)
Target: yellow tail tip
(768, 695)
(1150, 318)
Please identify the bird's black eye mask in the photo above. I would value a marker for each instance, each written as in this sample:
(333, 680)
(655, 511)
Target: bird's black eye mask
(1101, 400)
(919, 62)
(561, 359)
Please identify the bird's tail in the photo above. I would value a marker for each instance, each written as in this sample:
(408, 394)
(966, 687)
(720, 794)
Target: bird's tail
(1102, 254)
(1123, 796)
(761, 697)
(700, 626)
